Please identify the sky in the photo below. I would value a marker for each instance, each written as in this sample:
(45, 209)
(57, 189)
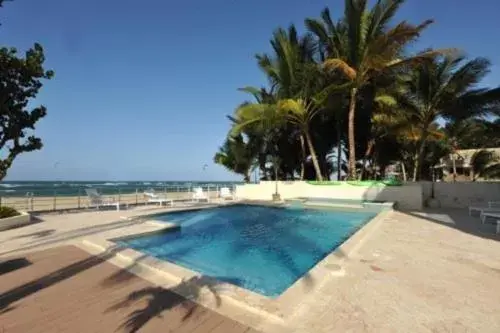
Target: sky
(142, 88)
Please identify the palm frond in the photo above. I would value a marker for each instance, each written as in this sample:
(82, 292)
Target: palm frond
(332, 64)
(354, 11)
(469, 74)
(386, 48)
(381, 14)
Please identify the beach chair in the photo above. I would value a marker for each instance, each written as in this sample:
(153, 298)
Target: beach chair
(198, 195)
(152, 197)
(225, 193)
(493, 215)
(95, 199)
(493, 206)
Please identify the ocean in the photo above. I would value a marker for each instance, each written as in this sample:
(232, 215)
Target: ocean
(74, 188)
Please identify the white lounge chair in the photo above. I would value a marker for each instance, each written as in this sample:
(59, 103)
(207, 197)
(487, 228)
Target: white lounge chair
(96, 199)
(152, 197)
(225, 193)
(198, 194)
(492, 207)
(492, 215)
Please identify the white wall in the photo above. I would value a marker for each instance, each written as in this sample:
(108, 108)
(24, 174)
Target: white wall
(408, 196)
(462, 194)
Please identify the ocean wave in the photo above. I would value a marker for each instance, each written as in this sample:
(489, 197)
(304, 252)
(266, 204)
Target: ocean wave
(7, 191)
(113, 184)
(10, 185)
(17, 185)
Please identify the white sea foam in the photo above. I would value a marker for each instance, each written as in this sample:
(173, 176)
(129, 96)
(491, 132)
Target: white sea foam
(8, 185)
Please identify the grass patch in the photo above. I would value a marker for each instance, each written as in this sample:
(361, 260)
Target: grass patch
(8, 212)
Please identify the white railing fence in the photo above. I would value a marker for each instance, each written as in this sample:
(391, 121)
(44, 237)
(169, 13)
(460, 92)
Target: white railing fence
(76, 198)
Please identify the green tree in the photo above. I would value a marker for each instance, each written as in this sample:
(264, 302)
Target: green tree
(298, 112)
(485, 164)
(237, 156)
(366, 48)
(20, 81)
(445, 88)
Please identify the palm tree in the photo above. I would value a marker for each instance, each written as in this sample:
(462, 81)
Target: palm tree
(284, 68)
(262, 118)
(298, 112)
(287, 73)
(485, 163)
(237, 156)
(366, 48)
(445, 88)
(301, 113)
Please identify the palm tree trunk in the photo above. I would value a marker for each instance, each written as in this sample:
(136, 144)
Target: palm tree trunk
(313, 155)
(303, 162)
(275, 167)
(418, 158)
(350, 133)
(454, 165)
(368, 152)
(403, 170)
(339, 151)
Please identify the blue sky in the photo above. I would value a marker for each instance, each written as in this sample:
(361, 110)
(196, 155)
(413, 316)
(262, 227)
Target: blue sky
(142, 87)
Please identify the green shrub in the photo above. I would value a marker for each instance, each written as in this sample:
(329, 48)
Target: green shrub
(8, 212)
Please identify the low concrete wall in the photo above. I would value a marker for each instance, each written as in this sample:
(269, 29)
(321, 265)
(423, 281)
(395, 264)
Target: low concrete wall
(408, 196)
(462, 194)
(15, 221)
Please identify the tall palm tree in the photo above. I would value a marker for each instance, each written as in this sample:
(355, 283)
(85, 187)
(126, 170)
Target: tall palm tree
(328, 36)
(366, 48)
(298, 112)
(291, 53)
(287, 72)
(301, 113)
(445, 87)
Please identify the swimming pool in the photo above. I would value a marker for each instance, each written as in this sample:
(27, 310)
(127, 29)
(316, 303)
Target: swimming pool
(260, 248)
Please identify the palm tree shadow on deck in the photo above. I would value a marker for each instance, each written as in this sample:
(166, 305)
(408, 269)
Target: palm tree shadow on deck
(160, 299)
(32, 287)
(13, 264)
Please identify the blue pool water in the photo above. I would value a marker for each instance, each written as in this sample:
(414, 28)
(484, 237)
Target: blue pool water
(264, 249)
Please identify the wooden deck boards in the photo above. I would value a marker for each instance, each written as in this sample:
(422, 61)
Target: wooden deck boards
(65, 289)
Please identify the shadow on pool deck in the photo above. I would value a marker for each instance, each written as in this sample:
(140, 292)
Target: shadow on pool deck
(121, 292)
(49, 237)
(457, 219)
(38, 234)
(160, 299)
(13, 264)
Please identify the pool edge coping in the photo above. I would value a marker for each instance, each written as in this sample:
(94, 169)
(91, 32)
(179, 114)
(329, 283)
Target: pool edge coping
(279, 310)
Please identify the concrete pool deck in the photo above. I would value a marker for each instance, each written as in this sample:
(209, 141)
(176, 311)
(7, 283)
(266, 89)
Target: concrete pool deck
(429, 271)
